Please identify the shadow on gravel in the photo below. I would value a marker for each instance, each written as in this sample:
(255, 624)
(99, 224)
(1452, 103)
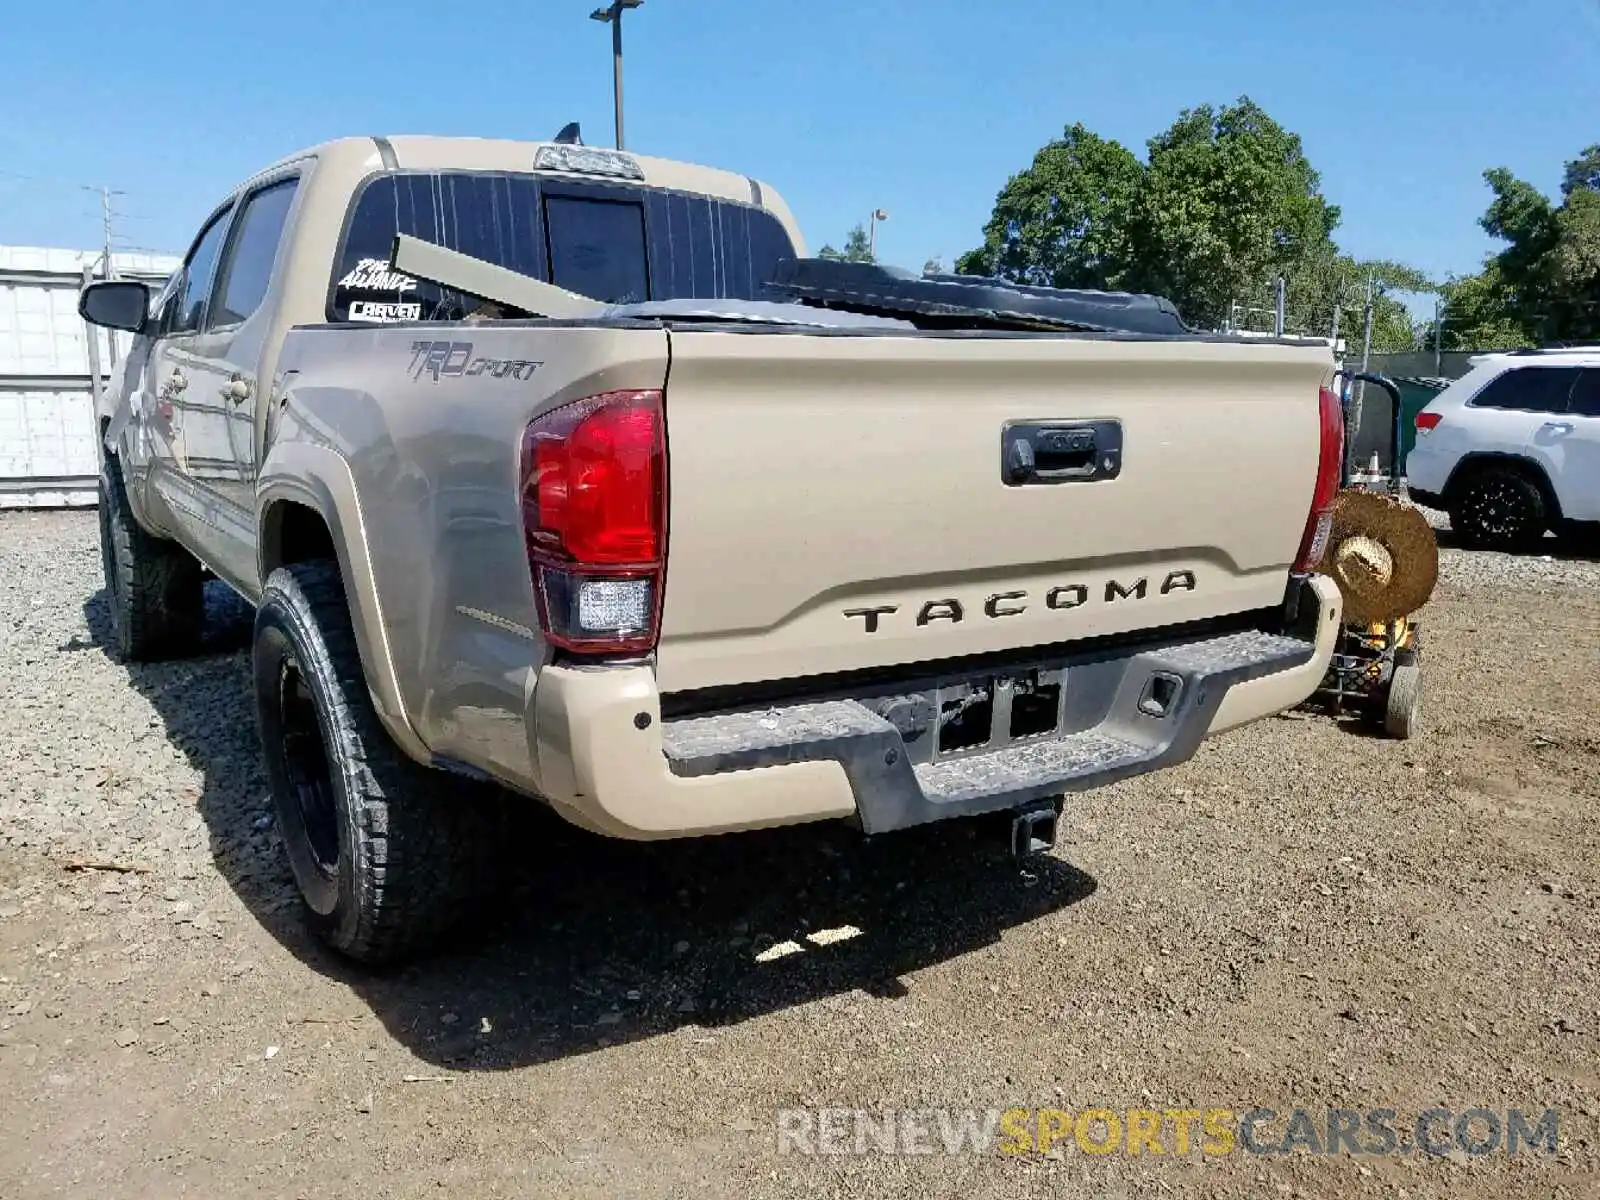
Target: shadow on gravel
(1581, 545)
(602, 942)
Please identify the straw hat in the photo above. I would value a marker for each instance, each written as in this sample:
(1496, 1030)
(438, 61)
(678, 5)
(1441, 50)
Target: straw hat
(1382, 554)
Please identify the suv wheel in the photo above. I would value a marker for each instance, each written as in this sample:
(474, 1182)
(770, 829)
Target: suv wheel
(155, 587)
(387, 854)
(1499, 509)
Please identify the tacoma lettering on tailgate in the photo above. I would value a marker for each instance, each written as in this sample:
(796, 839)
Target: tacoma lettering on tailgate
(1014, 604)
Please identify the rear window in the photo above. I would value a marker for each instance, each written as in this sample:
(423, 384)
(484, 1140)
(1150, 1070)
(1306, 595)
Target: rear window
(616, 244)
(597, 248)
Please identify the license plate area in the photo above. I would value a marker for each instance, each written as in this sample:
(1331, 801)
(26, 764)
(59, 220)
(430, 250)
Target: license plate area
(984, 713)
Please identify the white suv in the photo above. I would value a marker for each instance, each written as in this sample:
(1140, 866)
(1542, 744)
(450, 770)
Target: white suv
(1512, 448)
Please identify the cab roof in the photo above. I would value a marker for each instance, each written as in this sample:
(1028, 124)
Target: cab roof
(420, 152)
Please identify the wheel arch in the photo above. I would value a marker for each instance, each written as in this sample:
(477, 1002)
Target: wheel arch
(1478, 460)
(308, 510)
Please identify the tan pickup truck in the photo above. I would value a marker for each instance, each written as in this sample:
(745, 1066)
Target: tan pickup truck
(564, 470)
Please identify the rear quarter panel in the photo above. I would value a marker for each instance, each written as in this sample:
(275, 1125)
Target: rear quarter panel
(434, 464)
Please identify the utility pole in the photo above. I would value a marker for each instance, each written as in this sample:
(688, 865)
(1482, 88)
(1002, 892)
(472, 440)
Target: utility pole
(1338, 303)
(1277, 308)
(612, 14)
(878, 214)
(1366, 327)
(1361, 387)
(1438, 333)
(105, 226)
(107, 268)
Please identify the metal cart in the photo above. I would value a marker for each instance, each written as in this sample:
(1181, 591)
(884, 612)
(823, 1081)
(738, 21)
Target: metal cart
(1376, 669)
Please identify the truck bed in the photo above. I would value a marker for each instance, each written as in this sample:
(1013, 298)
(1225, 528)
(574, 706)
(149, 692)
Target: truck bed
(840, 501)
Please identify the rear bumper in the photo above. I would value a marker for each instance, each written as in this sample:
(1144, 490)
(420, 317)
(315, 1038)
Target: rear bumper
(609, 763)
(1427, 471)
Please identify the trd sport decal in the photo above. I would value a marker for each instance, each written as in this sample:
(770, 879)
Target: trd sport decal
(438, 360)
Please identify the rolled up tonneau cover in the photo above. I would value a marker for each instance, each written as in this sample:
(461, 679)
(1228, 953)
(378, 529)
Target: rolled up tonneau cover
(868, 287)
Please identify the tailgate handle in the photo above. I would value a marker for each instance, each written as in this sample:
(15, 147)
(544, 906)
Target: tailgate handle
(1035, 452)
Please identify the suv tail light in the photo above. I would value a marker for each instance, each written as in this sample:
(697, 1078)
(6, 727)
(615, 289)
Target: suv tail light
(1427, 422)
(594, 511)
(1330, 462)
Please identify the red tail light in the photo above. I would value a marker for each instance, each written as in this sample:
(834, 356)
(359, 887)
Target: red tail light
(1330, 461)
(594, 510)
(1427, 422)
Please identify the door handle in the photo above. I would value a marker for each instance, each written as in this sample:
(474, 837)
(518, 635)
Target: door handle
(236, 390)
(1557, 426)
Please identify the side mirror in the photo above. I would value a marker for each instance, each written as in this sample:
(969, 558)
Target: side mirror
(116, 304)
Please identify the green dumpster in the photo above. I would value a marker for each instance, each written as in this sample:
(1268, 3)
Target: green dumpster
(1414, 396)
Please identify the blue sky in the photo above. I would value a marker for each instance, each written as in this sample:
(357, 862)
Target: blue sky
(922, 107)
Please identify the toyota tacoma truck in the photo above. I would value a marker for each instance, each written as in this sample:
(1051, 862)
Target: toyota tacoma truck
(562, 473)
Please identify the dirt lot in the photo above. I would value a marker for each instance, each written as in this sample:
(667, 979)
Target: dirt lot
(1303, 916)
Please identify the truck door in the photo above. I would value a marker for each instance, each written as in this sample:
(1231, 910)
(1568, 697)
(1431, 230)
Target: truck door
(220, 363)
(239, 338)
(187, 438)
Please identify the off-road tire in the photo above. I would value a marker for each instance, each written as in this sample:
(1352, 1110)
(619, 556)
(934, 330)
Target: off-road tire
(155, 588)
(1498, 508)
(417, 849)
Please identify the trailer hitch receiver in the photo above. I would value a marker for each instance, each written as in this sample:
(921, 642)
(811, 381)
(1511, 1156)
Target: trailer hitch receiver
(1033, 829)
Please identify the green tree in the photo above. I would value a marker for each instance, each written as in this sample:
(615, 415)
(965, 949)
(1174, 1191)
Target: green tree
(1229, 199)
(1582, 172)
(1392, 327)
(1545, 284)
(1068, 220)
(1324, 280)
(1571, 272)
(1225, 201)
(1523, 217)
(1478, 315)
(857, 248)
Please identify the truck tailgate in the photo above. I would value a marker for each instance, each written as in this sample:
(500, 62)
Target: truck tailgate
(839, 503)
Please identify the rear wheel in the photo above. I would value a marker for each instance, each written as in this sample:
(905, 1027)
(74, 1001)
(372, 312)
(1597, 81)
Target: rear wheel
(1498, 508)
(155, 587)
(388, 855)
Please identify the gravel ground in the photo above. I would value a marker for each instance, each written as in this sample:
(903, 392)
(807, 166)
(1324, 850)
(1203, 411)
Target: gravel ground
(1302, 916)
(1559, 565)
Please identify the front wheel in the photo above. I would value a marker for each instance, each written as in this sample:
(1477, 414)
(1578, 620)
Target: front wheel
(388, 855)
(155, 587)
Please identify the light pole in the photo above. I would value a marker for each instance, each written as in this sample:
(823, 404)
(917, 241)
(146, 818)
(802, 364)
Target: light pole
(878, 214)
(612, 14)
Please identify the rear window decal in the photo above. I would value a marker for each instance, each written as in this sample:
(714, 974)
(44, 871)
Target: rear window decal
(384, 311)
(375, 275)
